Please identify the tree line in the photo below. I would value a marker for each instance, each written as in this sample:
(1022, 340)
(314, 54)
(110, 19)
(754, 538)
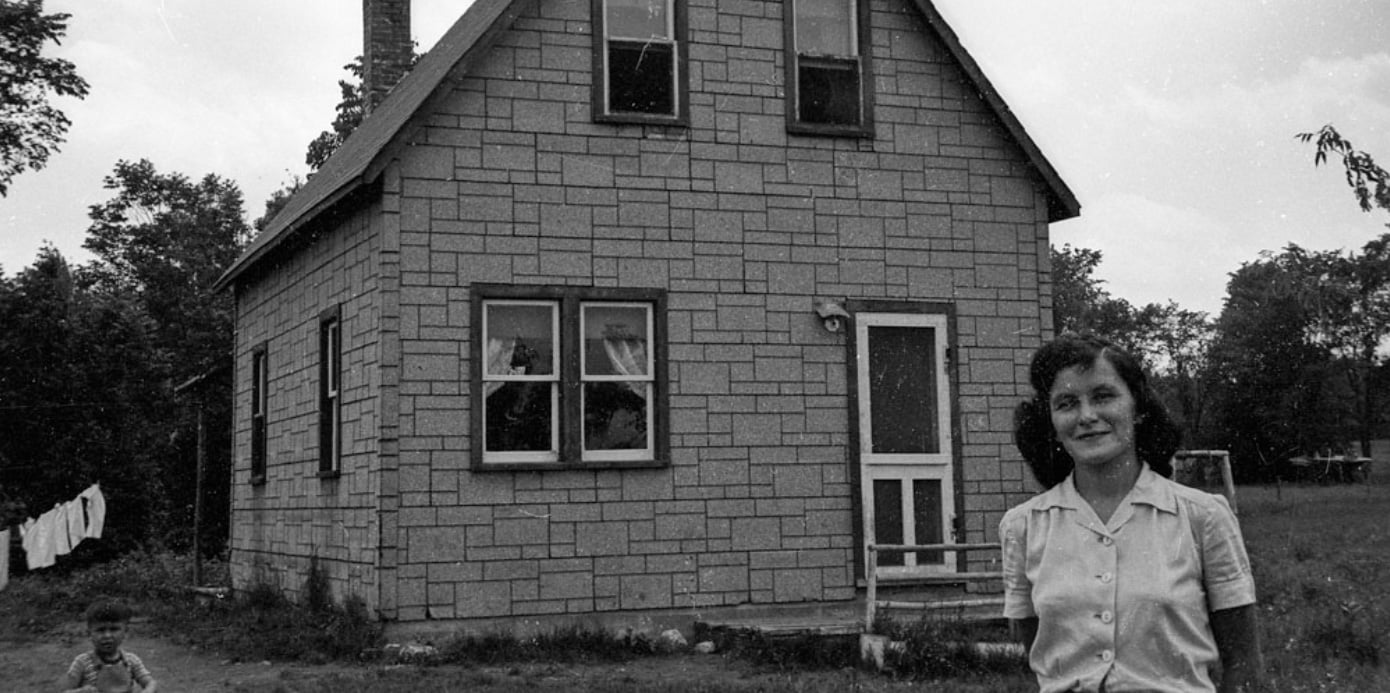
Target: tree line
(105, 366)
(1295, 363)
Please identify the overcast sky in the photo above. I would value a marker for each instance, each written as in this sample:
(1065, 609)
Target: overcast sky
(1174, 122)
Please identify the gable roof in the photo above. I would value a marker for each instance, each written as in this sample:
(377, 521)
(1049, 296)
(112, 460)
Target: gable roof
(1062, 203)
(359, 160)
(362, 156)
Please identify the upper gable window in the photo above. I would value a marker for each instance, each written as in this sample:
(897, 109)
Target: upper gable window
(828, 80)
(639, 61)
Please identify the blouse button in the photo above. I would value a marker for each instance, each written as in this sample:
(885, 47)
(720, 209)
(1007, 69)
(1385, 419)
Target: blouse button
(1107, 577)
(1107, 655)
(1107, 541)
(1106, 617)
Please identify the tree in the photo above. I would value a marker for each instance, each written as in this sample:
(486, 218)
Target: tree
(1346, 297)
(30, 128)
(1080, 304)
(1179, 345)
(351, 109)
(167, 239)
(1368, 181)
(79, 395)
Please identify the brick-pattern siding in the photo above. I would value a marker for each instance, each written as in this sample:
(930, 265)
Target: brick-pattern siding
(509, 181)
(278, 526)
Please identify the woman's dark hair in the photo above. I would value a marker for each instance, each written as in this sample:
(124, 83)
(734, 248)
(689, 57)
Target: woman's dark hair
(1156, 436)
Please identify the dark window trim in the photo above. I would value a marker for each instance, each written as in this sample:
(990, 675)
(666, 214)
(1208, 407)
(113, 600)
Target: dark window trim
(330, 399)
(570, 298)
(260, 400)
(598, 100)
(866, 77)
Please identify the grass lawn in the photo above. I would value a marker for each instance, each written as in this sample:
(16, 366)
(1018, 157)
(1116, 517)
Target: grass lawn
(1321, 556)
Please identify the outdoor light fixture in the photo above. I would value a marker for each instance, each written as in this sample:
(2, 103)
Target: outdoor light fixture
(833, 316)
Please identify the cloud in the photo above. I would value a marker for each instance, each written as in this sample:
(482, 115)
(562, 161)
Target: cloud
(1154, 252)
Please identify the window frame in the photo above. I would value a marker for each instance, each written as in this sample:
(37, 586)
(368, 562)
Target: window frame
(676, 10)
(568, 391)
(330, 330)
(862, 37)
(260, 406)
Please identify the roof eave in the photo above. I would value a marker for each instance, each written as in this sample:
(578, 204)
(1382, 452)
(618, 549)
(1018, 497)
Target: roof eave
(360, 159)
(1062, 202)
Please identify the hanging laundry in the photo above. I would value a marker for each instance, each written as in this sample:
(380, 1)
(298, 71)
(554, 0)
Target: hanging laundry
(77, 524)
(40, 549)
(96, 511)
(62, 544)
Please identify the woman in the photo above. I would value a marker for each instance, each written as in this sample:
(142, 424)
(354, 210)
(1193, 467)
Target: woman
(1116, 578)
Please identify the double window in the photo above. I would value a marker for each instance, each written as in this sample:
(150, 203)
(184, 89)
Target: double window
(260, 398)
(828, 67)
(568, 377)
(639, 58)
(330, 392)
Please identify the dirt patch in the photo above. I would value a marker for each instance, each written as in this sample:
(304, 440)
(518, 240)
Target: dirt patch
(38, 664)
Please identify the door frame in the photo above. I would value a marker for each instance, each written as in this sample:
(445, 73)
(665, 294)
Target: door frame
(954, 529)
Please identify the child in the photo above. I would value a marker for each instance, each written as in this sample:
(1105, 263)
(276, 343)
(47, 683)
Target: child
(108, 669)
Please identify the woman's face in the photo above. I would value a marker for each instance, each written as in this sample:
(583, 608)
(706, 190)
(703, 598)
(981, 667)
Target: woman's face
(1093, 414)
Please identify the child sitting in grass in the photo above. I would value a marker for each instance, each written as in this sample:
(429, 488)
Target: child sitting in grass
(107, 668)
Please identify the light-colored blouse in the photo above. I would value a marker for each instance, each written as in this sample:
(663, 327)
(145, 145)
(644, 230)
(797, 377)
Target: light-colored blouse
(1127, 602)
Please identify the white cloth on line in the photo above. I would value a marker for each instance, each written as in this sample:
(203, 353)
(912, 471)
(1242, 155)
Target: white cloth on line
(62, 545)
(40, 551)
(77, 525)
(96, 512)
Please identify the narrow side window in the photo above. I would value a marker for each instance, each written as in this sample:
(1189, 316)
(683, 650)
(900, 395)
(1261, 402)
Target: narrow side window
(330, 392)
(260, 399)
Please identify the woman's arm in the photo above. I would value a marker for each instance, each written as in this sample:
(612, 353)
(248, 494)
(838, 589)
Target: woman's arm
(1238, 641)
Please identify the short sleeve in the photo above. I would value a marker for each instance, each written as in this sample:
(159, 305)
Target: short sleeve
(138, 671)
(77, 669)
(1225, 566)
(1018, 591)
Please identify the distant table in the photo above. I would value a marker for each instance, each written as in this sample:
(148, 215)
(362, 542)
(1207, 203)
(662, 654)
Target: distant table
(1339, 468)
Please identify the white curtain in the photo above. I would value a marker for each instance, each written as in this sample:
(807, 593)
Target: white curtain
(499, 362)
(628, 357)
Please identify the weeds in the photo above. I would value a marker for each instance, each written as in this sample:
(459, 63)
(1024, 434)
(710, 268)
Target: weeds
(261, 624)
(570, 645)
(796, 652)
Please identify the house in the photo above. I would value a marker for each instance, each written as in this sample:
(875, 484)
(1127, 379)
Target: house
(643, 306)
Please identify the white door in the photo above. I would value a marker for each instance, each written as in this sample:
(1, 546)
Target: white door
(905, 448)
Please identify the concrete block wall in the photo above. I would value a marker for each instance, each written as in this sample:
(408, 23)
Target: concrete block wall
(510, 181)
(278, 526)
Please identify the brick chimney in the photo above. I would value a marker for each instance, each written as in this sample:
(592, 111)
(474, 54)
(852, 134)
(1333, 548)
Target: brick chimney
(386, 47)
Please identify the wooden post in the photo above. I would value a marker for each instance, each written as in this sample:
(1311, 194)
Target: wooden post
(198, 498)
(871, 594)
